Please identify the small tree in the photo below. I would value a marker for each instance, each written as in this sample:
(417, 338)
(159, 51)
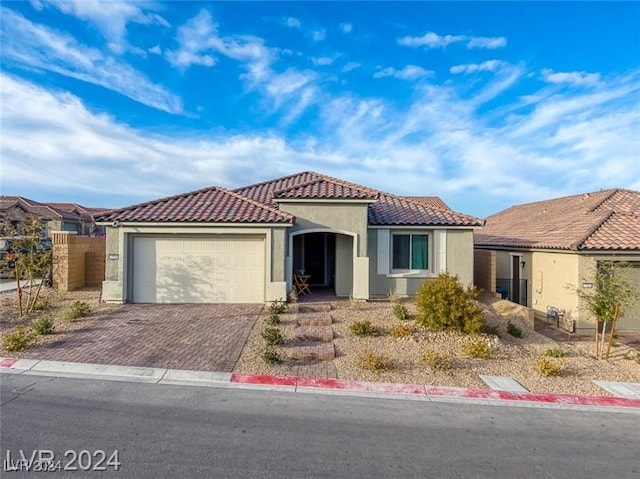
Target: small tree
(607, 301)
(28, 261)
(444, 303)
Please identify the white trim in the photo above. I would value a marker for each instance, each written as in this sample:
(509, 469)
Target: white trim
(422, 227)
(440, 251)
(323, 200)
(384, 250)
(193, 225)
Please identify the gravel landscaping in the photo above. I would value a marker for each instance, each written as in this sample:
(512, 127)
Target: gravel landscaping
(514, 357)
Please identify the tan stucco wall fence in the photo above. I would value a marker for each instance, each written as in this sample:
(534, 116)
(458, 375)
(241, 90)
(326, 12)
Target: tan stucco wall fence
(78, 261)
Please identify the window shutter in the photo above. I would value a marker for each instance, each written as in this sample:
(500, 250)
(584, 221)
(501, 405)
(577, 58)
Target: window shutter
(383, 251)
(440, 247)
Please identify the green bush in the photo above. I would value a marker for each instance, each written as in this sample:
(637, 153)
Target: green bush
(554, 353)
(444, 304)
(548, 367)
(436, 360)
(19, 340)
(514, 330)
(272, 336)
(271, 355)
(79, 309)
(477, 347)
(279, 306)
(273, 319)
(43, 326)
(402, 330)
(371, 361)
(363, 328)
(400, 311)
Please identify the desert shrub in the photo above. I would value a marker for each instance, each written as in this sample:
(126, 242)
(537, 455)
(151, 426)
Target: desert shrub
(271, 355)
(79, 309)
(437, 360)
(272, 336)
(548, 367)
(554, 353)
(19, 340)
(393, 297)
(355, 304)
(477, 347)
(402, 330)
(514, 330)
(371, 361)
(273, 319)
(279, 306)
(400, 311)
(363, 328)
(43, 326)
(445, 304)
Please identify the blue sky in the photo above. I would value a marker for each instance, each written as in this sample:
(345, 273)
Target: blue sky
(483, 104)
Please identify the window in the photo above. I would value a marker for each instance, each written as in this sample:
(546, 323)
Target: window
(410, 251)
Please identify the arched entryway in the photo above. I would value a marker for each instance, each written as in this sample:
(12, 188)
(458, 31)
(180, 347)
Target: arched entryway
(325, 257)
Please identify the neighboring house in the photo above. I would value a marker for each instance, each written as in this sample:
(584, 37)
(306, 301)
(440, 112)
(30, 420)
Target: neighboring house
(16, 210)
(87, 226)
(544, 250)
(217, 245)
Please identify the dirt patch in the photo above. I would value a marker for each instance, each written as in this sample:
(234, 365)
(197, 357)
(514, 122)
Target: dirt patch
(513, 357)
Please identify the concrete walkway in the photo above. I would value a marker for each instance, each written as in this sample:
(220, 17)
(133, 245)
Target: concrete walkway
(8, 285)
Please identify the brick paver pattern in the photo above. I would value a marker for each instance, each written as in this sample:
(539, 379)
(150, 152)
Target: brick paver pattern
(201, 337)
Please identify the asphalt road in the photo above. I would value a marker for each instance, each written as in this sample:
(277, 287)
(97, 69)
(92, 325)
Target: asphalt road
(178, 431)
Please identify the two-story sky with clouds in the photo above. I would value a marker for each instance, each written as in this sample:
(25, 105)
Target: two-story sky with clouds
(109, 103)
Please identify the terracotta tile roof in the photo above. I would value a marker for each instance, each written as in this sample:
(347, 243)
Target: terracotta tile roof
(430, 201)
(41, 210)
(210, 205)
(400, 210)
(602, 220)
(258, 203)
(324, 188)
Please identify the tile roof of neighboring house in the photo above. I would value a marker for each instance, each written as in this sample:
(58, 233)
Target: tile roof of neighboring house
(37, 209)
(603, 220)
(211, 205)
(259, 203)
(78, 209)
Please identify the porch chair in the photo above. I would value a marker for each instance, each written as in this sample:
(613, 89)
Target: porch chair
(301, 284)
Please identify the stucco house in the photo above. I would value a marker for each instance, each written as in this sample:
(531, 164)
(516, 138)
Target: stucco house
(16, 210)
(538, 253)
(244, 245)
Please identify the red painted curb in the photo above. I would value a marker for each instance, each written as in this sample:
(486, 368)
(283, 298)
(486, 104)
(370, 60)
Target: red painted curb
(360, 386)
(566, 399)
(263, 380)
(8, 362)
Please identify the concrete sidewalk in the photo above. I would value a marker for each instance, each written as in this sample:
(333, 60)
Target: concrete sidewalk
(318, 386)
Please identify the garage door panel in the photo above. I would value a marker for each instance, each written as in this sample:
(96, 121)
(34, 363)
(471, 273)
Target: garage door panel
(631, 319)
(198, 270)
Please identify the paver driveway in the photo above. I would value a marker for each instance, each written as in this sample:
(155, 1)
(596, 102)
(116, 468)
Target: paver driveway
(199, 337)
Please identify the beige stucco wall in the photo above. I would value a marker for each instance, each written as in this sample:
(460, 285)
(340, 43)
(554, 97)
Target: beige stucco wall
(460, 255)
(331, 216)
(344, 265)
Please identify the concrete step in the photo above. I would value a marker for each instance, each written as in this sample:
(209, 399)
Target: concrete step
(625, 390)
(323, 334)
(503, 383)
(314, 319)
(314, 307)
(306, 351)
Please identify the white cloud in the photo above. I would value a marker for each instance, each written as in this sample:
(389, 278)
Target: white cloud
(430, 40)
(409, 72)
(350, 66)
(346, 27)
(293, 22)
(318, 35)
(487, 66)
(156, 50)
(487, 42)
(111, 18)
(433, 40)
(322, 61)
(571, 78)
(35, 46)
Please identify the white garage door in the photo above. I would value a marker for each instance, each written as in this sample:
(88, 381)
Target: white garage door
(631, 318)
(216, 269)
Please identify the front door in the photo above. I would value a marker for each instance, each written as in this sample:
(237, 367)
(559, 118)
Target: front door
(515, 279)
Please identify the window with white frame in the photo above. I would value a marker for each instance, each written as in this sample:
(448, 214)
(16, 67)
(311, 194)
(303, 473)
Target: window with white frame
(410, 251)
